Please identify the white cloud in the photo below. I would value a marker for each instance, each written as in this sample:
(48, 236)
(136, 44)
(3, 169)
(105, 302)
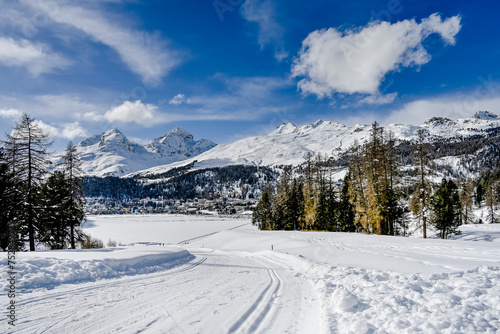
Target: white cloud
(47, 129)
(357, 60)
(450, 106)
(378, 99)
(93, 116)
(37, 58)
(73, 130)
(128, 112)
(145, 54)
(10, 113)
(263, 13)
(179, 99)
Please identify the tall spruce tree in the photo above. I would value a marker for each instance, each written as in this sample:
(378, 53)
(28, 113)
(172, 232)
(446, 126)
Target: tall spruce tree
(345, 211)
(447, 208)
(263, 215)
(75, 210)
(10, 236)
(55, 197)
(26, 149)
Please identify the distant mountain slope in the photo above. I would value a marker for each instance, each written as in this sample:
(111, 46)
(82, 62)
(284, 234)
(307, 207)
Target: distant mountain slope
(112, 154)
(288, 143)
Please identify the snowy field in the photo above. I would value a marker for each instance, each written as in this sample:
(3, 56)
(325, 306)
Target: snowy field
(231, 278)
(128, 229)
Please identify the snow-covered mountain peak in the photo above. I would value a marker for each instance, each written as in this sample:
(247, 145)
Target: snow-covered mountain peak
(285, 128)
(113, 140)
(486, 115)
(179, 132)
(112, 154)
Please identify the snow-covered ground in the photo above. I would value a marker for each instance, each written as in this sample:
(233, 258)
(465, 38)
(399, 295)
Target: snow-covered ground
(174, 229)
(236, 279)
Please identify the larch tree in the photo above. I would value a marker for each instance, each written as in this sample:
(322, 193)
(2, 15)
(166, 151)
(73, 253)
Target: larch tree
(310, 193)
(491, 200)
(421, 199)
(373, 185)
(26, 149)
(466, 193)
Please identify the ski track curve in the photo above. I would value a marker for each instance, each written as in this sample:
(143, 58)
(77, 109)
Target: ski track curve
(217, 292)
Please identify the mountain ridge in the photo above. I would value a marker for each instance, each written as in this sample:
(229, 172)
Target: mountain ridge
(288, 143)
(111, 153)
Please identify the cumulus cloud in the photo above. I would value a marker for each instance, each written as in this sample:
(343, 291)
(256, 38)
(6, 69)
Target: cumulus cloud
(357, 60)
(179, 99)
(36, 58)
(10, 113)
(73, 130)
(46, 128)
(271, 33)
(145, 54)
(137, 112)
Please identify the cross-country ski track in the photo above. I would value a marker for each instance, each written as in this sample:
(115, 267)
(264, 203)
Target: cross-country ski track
(210, 294)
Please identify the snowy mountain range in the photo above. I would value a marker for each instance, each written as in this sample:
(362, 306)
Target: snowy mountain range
(288, 144)
(112, 154)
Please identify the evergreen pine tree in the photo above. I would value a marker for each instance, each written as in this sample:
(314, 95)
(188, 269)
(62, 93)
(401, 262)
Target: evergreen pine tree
(75, 210)
(447, 208)
(10, 236)
(345, 208)
(55, 197)
(263, 215)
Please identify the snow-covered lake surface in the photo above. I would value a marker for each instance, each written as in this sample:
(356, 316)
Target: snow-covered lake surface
(231, 278)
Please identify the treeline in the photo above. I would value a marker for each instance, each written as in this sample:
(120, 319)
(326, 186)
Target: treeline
(374, 197)
(38, 206)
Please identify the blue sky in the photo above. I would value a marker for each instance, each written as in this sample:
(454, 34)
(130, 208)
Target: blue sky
(228, 69)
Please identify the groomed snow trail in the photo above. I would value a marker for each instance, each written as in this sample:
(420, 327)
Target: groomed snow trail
(217, 292)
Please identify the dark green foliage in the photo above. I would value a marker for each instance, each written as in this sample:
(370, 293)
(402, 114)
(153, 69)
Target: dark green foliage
(479, 194)
(447, 208)
(285, 210)
(55, 212)
(263, 215)
(295, 206)
(11, 236)
(345, 209)
(74, 212)
(111, 187)
(61, 212)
